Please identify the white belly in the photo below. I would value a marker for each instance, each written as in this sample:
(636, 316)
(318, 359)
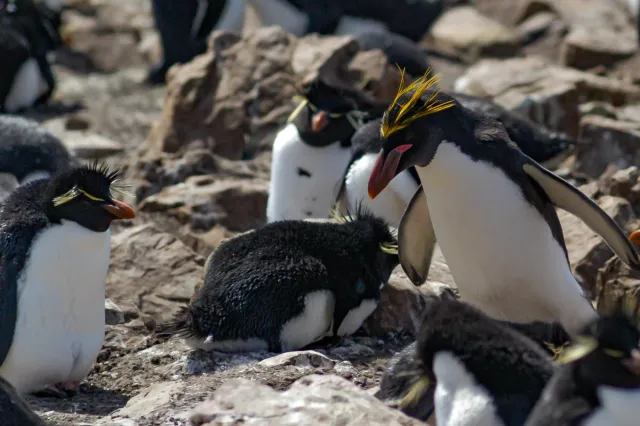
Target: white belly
(27, 87)
(619, 407)
(60, 325)
(312, 324)
(390, 203)
(293, 196)
(499, 249)
(353, 25)
(458, 399)
(281, 13)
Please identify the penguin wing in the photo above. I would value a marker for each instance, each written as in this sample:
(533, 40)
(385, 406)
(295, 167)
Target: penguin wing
(8, 305)
(416, 238)
(569, 198)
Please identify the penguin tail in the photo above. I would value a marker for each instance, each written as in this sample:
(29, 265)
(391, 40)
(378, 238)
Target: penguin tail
(182, 324)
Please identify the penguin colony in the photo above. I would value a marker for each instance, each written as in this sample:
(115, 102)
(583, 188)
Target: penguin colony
(441, 168)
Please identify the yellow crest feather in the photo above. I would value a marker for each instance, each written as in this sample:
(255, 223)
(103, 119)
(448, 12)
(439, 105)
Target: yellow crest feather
(66, 197)
(389, 248)
(419, 88)
(417, 390)
(581, 347)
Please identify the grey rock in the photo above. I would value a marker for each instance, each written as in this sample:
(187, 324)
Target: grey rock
(113, 314)
(299, 359)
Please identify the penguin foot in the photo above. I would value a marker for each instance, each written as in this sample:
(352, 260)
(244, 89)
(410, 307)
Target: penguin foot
(59, 390)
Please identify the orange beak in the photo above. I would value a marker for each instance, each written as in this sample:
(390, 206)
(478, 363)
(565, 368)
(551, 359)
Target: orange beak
(385, 170)
(635, 237)
(120, 210)
(319, 121)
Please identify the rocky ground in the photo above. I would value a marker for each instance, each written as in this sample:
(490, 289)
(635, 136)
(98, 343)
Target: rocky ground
(198, 153)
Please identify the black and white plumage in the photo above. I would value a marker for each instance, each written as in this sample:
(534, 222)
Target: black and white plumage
(471, 369)
(599, 383)
(289, 284)
(14, 411)
(54, 256)
(534, 140)
(28, 33)
(29, 151)
(491, 208)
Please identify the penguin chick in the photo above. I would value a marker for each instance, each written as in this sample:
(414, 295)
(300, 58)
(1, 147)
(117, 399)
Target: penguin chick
(29, 151)
(289, 284)
(14, 410)
(599, 381)
(491, 207)
(54, 256)
(474, 370)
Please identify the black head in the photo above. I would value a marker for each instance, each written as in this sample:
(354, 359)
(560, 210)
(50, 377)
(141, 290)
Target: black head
(39, 21)
(606, 352)
(327, 114)
(83, 195)
(411, 132)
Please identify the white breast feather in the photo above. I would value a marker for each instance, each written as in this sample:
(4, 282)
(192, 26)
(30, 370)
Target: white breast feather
(296, 197)
(391, 202)
(26, 88)
(459, 400)
(312, 324)
(619, 407)
(61, 321)
(498, 247)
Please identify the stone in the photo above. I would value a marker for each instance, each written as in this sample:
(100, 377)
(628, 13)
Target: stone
(602, 109)
(466, 30)
(546, 93)
(90, 145)
(401, 303)
(586, 48)
(153, 270)
(312, 400)
(299, 359)
(535, 26)
(8, 183)
(616, 282)
(587, 251)
(204, 201)
(156, 397)
(605, 141)
(113, 314)
(620, 183)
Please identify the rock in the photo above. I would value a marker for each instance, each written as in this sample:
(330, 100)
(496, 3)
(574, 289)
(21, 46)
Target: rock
(535, 26)
(299, 359)
(203, 202)
(602, 109)
(8, 183)
(153, 270)
(113, 313)
(163, 170)
(604, 141)
(232, 99)
(616, 281)
(91, 145)
(401, 303)
(544, 92)
(439, 270)
(587, 251)
(466, 30)
(621, 183)
(312, 400)
(586, 48)
(157, 397)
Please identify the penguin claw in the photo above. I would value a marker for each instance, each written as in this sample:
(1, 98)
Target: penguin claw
(59, 390)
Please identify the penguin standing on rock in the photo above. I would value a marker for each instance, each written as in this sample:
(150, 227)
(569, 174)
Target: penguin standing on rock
(471, 369)
(289, 284)
(491, 209)
(29, 31)
(599, 381)
(13, 410)
(54, 256)
(29, 151)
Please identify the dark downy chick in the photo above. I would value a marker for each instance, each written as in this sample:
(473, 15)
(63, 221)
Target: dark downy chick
(289, 284)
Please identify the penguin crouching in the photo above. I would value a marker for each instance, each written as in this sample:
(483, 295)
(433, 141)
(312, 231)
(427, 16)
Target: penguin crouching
(473, 370)
(598, 382)
(54, 256)
(289, 284)
(14, 411)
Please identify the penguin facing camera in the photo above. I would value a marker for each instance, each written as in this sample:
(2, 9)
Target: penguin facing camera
(469, 369)
(29, 31)
(312, 151)
(30, 151)
(289, 284)
(491, 207)
(598, 382)
(533, 140)
(54, 256)
(14, 410)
